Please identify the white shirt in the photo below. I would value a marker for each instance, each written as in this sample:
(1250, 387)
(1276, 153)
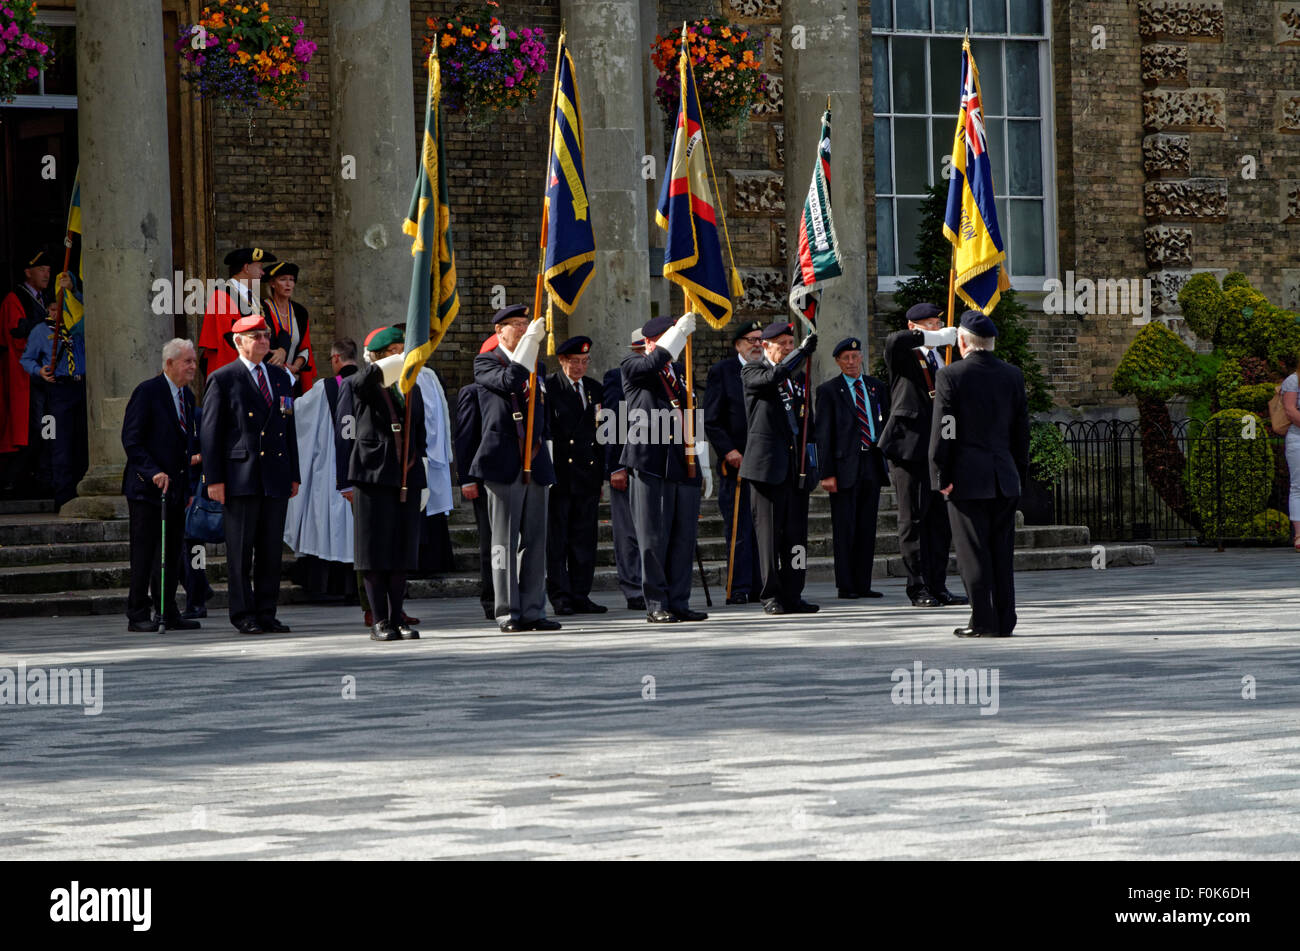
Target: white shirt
(176, 406)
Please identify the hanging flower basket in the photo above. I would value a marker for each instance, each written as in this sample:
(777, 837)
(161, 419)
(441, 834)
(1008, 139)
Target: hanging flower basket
(488, 68)
(727, 61)
(240, 54)
(24, 48)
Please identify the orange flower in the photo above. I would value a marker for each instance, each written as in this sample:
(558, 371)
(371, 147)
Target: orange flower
(448, 40)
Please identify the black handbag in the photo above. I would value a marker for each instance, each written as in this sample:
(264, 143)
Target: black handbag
(204, 520)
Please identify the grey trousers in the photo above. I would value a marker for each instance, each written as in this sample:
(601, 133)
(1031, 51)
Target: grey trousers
(627, 556)
(666, 515)
(517, 514)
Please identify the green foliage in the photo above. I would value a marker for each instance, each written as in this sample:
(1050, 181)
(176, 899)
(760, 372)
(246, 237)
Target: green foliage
(1158, 364)
(1201, 301)
(1239, 332)
(1269, 526)
(1049, 457)
(930, 285)
(1229, 472)
(1235, 279)
(1252, 398)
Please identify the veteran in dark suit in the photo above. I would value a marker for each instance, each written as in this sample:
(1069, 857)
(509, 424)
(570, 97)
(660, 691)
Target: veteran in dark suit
(923, 532)
(852, 410)
(516, 509)
(159, 436)
(579, 475)
(469, 428)
(979, 457)
(665, 498)
(776, 399)
(250, 462)
(627, 554)
(726, 425)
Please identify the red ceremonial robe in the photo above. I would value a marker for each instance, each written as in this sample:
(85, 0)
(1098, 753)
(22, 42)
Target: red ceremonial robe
(15, 385)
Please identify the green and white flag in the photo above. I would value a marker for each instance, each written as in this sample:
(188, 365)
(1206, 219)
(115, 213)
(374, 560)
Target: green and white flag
(819, 252)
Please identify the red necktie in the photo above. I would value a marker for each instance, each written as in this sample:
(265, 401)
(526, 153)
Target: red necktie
(261, 385)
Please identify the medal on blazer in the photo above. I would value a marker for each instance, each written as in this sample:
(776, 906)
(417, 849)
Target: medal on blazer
(286, 406)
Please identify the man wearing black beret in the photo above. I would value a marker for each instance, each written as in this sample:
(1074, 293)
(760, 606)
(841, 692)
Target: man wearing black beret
(923, 532)
(573, 510)
(851, 412)
(979, 456)
(726, 425)
(776, 401)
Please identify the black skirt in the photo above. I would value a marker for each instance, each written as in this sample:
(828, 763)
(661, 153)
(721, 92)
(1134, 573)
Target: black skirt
(387, 532)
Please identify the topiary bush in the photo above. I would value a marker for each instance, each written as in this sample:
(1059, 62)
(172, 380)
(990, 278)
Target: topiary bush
(1269, 527)
(1253, 398)
(1229, 472)
(1157, 364)
(1201, 301)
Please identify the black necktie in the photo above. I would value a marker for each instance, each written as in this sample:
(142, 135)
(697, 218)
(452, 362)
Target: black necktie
(934, 363)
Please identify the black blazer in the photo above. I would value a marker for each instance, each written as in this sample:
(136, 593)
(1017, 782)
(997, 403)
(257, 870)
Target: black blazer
(839, 437)
(374, 455)
(775, 432)
(907, 435)
(249, 446)
(469, 426)
(612, 400)
(988, 456)
(725, 420)
(656, 444)
(503, 384)
(579, 461)
(155, 442)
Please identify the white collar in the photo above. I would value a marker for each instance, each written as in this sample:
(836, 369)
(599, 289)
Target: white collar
(249, 364)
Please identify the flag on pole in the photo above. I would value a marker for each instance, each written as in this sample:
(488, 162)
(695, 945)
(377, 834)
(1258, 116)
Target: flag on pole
(819, 251)
(73, 309)
(688, 212)
(434, 301)
(971, 221)
(570, 243)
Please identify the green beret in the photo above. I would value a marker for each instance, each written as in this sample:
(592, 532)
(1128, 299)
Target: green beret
(384, 339)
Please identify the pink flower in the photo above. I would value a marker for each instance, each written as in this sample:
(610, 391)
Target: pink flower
(11, 31)
(513, 35)
(306, 76)
(510, 81)
(2, 46)
(42, 48)
(27, 42)
(527, 33)
(707, 31)
(32, 72)
(232, 47)
(303, 50)
(299, 27)
(9, 13)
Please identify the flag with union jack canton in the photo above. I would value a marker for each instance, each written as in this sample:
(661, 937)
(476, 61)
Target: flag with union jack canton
(570, 243)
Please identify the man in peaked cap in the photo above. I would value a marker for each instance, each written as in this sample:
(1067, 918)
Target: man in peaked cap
(979, 456)
(23, 309)
(923, 532)
(726, 425)
(776, 400)
(579, 474)
(851, 412)
(237, 297)
(627, 553)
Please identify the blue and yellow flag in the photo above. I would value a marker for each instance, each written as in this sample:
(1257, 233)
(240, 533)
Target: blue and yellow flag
(971, 221)
(688, 212)
(434, 301)
(570, 243)
(73, 309)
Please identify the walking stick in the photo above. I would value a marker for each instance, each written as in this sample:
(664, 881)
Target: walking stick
(735, 518)
(708, 598)
(162, 559)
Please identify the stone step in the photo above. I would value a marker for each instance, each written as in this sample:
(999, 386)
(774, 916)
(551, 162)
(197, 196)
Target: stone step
(27, 507)
(54, 530)
(107, 601)
(43, 579)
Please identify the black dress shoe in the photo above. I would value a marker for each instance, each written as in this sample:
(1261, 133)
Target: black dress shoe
(588, 606)
(181, 624)
(925, 600)
(249, 626)
(738, 599)
(564, 609)
(947, 598)
(193, 614)
(661, 617)
(773, 607)
(543, 624)
(142, 627)
(847, 595)
(274, 626)
(803, 607)
(407, 632)
(689, 615)
(871, 594)
(488, 613)
(972, 632)
(384, 631)
(636, 604)
(512, 627)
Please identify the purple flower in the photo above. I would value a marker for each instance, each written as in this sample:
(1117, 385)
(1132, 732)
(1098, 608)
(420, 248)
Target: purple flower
(527, 33)
(299, 27)
(2, 46)
(11, 31)
(707, 31)
(9, 13)
(32, 72)
(232, 46)
(510, 81)
(27, 42)
(42, 48)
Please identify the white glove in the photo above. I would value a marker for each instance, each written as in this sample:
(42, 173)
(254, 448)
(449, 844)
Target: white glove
(686, 323)
(391, 368)
(940, 338)
(675, 338)
(529, 343)
(702, 459)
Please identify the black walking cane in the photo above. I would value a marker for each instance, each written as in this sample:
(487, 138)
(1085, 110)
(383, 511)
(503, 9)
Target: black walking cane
(162, 561)
(708, 598)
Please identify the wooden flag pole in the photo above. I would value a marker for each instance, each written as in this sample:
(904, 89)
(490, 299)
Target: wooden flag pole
(803, 442)
(952, 289)
(58, 304)
(735, 518)
(688, 411)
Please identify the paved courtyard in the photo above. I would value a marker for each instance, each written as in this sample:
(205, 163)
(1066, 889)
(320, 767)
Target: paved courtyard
(1124, 729)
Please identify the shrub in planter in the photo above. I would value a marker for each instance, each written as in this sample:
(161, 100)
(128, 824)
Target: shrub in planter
(1229, 472)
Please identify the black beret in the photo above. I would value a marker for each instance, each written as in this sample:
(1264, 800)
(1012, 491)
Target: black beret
(656, 326)
(573, 346)
(505, 313)
(745, 329)
(918, 312)
(979, 323)
(776, 329)
(281, 269)
(37, 257)
(848, 343)
(241, 256)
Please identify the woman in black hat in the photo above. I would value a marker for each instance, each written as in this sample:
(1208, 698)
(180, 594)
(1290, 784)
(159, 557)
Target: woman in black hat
(290, 336)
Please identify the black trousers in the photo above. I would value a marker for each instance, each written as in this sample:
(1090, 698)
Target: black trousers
(745, 576)
(923, 531)
(69, 455)
(143, 599)
(853, 528)
(666, 515)
(781, 540)
(984, 534)
(197, 589)
(570, 545)
(485, 595)
(254, 540)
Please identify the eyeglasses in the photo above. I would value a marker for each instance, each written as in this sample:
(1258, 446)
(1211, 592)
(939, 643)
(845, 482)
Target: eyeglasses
(754, 339)
(257, 334)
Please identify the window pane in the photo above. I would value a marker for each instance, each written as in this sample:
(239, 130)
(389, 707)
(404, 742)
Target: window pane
(1022, 79)
(945, 75)
(910, 150)
(908, 55)
(995, 133)
(909, 225)
(988, 60)
(880, 75)
(882, 15)
(1025, 255)
(941, 130)
(913, 14)
(884, 180)
(886, 265)
(1024, 155)
(1001, 205)
(989, 16)
(1027, 17)
(61, 77)
(950, 16)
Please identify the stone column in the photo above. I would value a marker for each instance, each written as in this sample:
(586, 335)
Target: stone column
(827, 65)
(126, 216)
(604, 39)
(375, 159)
